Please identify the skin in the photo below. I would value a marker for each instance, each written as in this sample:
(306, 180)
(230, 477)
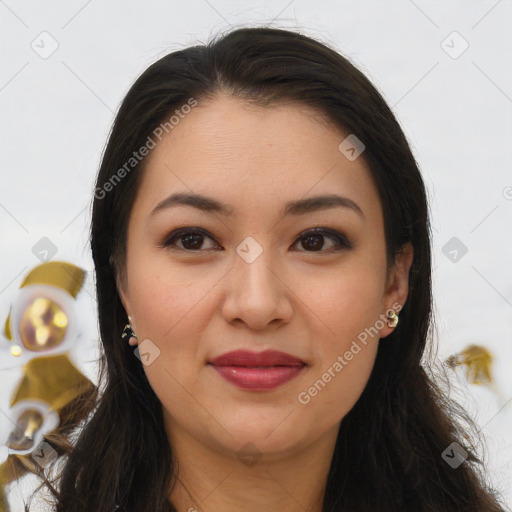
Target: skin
(310, 303)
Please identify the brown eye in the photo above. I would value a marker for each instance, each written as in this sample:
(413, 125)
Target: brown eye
(314, 240)
(191, 239)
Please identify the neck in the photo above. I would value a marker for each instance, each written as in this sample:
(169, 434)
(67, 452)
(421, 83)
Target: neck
(209, 479)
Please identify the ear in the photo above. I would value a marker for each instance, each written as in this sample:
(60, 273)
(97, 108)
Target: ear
(397, 286)
(124, 295)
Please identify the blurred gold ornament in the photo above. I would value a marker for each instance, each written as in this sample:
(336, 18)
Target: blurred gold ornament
(29, 422)
(43, 324)
(56, 381)
(61, 274)
(477, 360)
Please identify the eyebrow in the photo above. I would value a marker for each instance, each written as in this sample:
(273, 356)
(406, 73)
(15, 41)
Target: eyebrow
(299, 207)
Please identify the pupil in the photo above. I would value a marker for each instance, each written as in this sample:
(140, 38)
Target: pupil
(191, 238)
(314, 246)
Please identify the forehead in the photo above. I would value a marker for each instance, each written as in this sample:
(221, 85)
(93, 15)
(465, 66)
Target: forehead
(247, 155)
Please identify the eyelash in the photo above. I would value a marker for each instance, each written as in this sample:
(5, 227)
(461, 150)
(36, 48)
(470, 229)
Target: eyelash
(342, 241)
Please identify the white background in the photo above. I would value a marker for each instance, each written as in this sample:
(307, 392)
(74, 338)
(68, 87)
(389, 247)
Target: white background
(56, 113)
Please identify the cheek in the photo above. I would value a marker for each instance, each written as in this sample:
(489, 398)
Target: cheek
(173, 307)
(171, 314)
(164, 294)
(347, 302)
(350, 311)
(331, 392)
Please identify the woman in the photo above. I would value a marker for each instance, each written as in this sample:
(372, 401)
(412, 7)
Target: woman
(260, 230)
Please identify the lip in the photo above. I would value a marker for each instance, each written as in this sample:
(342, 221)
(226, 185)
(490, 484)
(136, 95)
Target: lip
(247, 358)
(257, 370)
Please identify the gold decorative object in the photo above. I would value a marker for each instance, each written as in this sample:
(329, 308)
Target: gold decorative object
(51, 378)
(61, 274)
(22, 437)
(477, 360)
(43, 324)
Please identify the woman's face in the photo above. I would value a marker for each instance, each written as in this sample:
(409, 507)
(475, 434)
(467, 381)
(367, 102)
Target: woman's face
(251, 275)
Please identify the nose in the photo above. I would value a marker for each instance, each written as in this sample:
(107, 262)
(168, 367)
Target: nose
(257, 294)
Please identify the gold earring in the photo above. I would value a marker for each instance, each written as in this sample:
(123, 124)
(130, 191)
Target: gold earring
(392, 318)
(129, 334)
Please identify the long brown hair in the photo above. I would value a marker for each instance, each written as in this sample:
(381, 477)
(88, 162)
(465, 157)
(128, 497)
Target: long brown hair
(388, 452)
